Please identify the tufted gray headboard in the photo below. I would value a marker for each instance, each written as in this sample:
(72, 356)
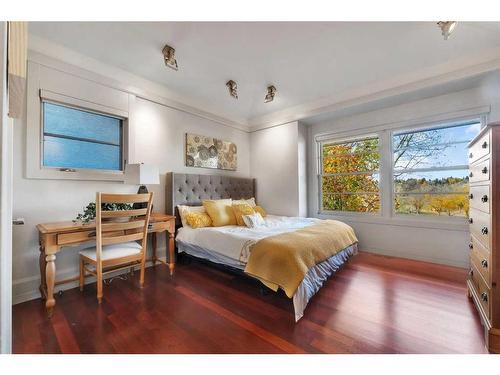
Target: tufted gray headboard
(191, 189)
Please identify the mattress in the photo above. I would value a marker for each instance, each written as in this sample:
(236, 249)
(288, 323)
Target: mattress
(233, 242)
(229, 245)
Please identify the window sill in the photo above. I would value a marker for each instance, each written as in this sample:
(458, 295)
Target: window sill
(82, 175)
(453, 224)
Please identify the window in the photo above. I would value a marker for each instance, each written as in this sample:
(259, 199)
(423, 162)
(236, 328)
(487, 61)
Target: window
(77, 139)
(349, 177)
(430, 173)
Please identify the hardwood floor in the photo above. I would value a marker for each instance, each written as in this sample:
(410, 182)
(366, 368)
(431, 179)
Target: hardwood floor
(375, 304)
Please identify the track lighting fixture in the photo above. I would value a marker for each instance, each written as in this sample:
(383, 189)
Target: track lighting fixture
(233, 88)
(169, 56)
(447, 28)
(271, 92)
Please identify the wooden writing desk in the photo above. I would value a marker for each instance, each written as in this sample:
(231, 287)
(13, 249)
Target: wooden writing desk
(56, 236)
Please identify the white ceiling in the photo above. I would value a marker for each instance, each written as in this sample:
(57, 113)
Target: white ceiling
(307, 62)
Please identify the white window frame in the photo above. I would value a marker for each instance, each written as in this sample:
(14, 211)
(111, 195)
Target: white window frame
(385, 132)
(435, 126)
(320, 174)
(73, 170)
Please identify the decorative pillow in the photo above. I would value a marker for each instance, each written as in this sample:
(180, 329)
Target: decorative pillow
(260, 210)
(250, 201)
(220, 211)
(198, 219)
(240, 210)
(253, 221)
(183, 210)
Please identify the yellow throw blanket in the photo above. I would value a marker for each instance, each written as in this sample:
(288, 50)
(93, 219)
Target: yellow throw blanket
(283, 260)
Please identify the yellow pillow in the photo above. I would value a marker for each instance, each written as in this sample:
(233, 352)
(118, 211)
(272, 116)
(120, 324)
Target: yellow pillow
(240, 210)
(260, 210)
(198, 219)
(220, 211)
(250, 201)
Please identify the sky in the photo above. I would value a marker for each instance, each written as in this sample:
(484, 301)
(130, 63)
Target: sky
(453, 155)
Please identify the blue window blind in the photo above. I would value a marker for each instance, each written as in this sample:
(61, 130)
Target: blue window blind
(74, 138)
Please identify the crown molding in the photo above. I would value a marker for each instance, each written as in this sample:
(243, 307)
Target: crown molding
(424, 79)
(48, 53)
(45, 52)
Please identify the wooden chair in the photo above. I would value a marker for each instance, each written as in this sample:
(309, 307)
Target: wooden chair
(116, 235)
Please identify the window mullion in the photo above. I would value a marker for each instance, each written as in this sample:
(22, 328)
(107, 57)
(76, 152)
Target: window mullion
(385, 148)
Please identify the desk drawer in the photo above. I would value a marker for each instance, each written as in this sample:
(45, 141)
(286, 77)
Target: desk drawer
(480, 197)
(480, 148)
(79, 237)
(75, 237)
(482, 290)
(481, 259)
(160, 226)
(479, 171)
(480, 227)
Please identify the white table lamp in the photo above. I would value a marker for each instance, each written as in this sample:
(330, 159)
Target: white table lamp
(142, 174)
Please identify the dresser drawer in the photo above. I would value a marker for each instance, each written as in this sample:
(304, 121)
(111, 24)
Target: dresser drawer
(480, 227)
(481, 259)
(481, 289)
(480, 148)
(480, 198)
(479, 171)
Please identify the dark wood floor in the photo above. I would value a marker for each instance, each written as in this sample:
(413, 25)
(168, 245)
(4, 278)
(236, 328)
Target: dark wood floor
(375, 304)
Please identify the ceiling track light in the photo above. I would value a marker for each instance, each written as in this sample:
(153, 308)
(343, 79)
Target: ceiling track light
(447, 28)
(233, 88)
(169, 56)
(271, 92)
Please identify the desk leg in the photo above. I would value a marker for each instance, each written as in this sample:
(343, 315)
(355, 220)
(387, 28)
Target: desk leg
(50, 274)
(43, 265)
(153, 243)
(171, 251)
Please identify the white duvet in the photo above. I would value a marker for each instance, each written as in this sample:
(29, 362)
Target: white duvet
(234, 241)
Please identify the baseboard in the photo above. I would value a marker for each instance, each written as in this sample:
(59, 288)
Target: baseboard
(437, 260)
(26, 288)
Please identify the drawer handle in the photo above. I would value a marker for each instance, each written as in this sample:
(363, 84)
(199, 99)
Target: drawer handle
(484, 263)
(470, 155)
(471, 220)
(484, 198)
(471, 174)
(92, 234)
(471, 196)
(471, 246)
(484, 145)
(484, 170)
(484, 230)
(484, 297)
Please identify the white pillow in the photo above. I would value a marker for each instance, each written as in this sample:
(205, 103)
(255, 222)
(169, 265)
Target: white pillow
(183, 210)
(250, 201)
(254, 221)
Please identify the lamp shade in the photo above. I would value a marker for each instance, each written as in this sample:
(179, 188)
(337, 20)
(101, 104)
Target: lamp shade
(142, 174)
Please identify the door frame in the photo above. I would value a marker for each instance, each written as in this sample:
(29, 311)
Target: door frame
(6, 144)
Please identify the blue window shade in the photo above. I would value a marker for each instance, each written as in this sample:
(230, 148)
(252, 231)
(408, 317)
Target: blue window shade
(75, 138)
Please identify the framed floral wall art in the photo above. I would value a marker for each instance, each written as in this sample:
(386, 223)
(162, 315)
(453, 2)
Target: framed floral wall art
(208, 152)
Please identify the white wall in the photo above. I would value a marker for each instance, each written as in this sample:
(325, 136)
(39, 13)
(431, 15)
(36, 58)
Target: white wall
(157, 137)
(277, 161)
(446, 244)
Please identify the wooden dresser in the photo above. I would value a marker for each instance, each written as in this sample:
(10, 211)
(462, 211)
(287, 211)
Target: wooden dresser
(484, 218)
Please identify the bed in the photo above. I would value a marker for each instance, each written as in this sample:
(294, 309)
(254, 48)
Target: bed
(231, 246)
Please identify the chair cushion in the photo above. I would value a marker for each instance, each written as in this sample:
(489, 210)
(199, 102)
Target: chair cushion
(114, 251)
